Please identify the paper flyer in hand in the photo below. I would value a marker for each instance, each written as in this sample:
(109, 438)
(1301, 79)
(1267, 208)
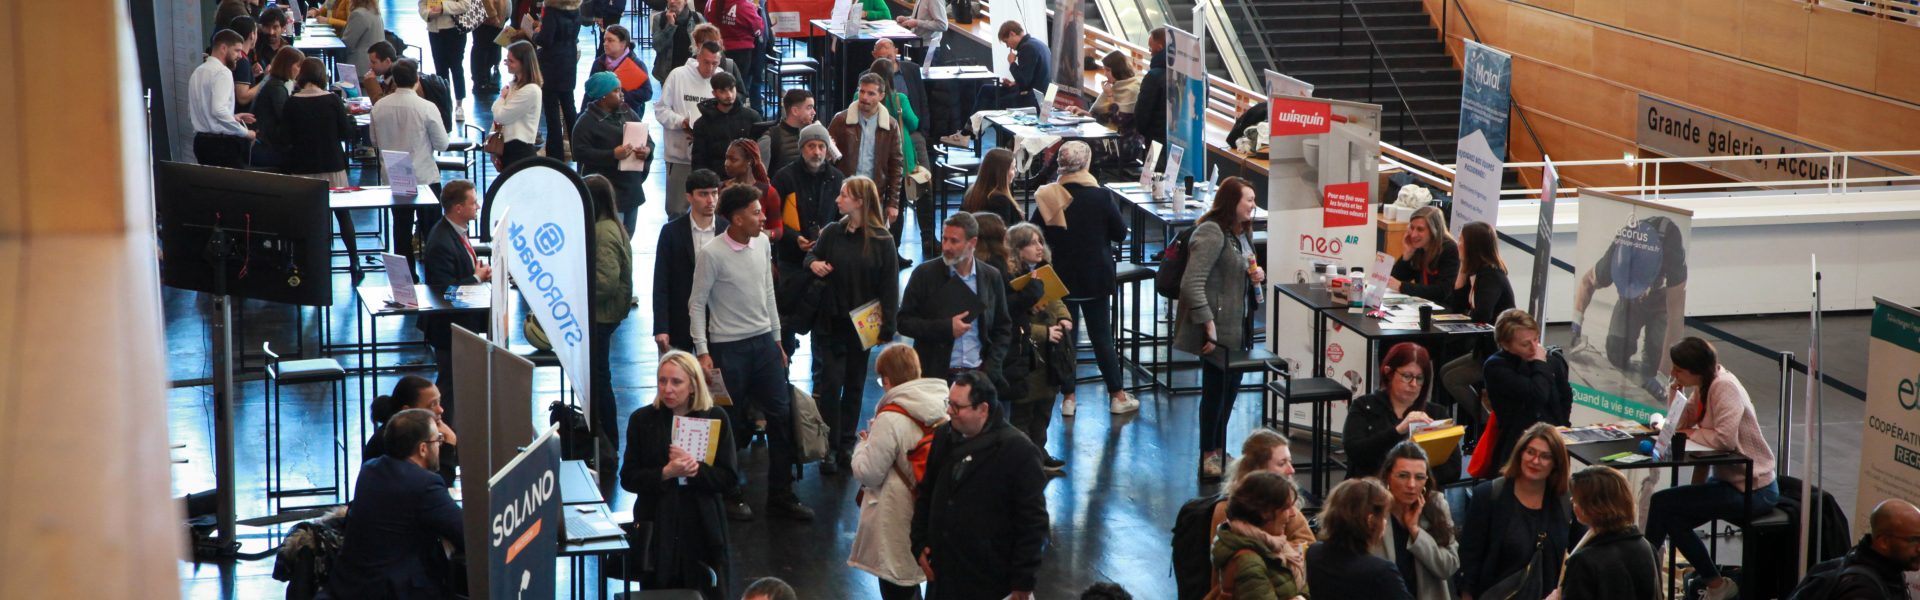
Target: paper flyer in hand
(1377, 280)
(866, 322)
(635, 135)
(717, 387)
(697, 436)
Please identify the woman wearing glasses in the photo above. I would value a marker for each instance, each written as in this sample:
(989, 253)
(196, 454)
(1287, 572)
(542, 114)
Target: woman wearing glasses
(1419, 537)
(1378, 421)
(1519, 525)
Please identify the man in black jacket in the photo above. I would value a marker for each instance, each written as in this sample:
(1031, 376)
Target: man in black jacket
(956, 309)
(449, 260)
(680, 240)
(780, 145)
(980, 516)
(401, 512)
(1150, 119)
(722, 120)
(809, 185)
(1887, 554)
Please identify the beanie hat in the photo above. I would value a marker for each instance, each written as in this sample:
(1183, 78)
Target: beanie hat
(817, 132)
(601, 84)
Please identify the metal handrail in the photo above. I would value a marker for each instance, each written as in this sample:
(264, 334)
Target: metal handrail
(1512, 105)
(1373, 55)
(1878, 9)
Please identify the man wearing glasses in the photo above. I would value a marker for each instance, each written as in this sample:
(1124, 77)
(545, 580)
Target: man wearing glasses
(1877, 567)
(401, 512)
(980, 517)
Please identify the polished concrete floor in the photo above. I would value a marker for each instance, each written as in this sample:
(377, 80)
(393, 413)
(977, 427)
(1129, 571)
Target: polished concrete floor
(1111, 513)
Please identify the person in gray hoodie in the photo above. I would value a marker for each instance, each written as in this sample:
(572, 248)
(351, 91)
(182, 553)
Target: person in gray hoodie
(883, 463)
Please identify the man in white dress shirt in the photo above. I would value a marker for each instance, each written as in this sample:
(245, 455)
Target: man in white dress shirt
(405, 122)
(220, 136)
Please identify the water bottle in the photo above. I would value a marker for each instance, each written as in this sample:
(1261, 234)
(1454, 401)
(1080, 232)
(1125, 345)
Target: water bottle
(1259, 289)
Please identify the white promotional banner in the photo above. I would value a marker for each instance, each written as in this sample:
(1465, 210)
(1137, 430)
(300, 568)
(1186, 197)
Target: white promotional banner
(1890, 437)
(1324, 158)
(545, 231)
(1476, 184)
(1032, 15)
(1628, 305)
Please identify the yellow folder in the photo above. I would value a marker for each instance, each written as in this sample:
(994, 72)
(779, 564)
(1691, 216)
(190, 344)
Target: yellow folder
(1054, 289)
(1440, 443)
(866, 322)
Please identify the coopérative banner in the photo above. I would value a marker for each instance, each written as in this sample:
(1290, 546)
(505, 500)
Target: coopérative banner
(543, 237)
(1890, 437)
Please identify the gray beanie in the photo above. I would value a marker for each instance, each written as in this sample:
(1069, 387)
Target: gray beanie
(818, 132)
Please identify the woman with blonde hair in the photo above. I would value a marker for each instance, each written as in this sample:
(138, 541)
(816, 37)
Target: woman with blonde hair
(1430, 258)
(1266, 451)
(909, 410)
(1047, 325)
(677, 494)
(855, 257)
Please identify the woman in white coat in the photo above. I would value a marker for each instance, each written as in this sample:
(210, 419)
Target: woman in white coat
(1419, 538)
(904, 419)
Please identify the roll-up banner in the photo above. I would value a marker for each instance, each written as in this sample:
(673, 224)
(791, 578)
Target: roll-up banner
(1482, 150)
(1890, 438)
(1543, 243)
(1187, 111)
(1324, 159)
(1629, 300)
(1069, 29)
(523, 536)
(546, 229)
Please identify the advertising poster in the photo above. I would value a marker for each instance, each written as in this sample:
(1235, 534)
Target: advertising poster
(1476, 184)
(1486, 75)
(1324, 156)
(523, 536)
(1890, 439)
(1629, 300)
(1187, 90)
(544, 226)
(1069, 22)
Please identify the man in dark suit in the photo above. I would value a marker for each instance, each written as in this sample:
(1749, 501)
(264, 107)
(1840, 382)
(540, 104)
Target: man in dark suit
(680, 241)
(449, 260)
(956, 309)
(401, 512)
(1150, 119)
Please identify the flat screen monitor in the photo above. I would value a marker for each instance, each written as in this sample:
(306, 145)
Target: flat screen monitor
(244, 233)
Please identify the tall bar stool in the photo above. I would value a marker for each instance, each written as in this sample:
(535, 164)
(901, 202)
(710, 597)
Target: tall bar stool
(1319, 392)
(296, 372)
(1131, 337)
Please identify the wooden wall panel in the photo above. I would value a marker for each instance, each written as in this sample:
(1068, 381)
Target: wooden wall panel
(1555, 5)
(1611, 12)
(1774, 33)
(1711, 24)
(1658, 18)
(1576, 97)
(1551, 38)
(1842, 48)
(1743, 93)
(1898, 61)
(1569, 141)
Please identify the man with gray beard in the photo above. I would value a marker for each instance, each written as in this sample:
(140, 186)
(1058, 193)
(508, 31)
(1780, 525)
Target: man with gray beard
(807, 188)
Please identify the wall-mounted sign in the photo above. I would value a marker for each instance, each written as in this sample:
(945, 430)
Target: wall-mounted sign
(1683, 132)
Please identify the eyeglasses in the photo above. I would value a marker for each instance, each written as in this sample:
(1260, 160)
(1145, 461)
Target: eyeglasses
(1411, 377)
(1410, 476)
(957, 407)
(1531, 454)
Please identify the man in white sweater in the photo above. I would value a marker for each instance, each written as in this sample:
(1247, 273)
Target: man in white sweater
(735, 326)
(679, 105)
(404, 122)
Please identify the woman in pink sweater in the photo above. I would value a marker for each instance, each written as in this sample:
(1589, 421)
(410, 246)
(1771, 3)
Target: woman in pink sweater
(1720, 417)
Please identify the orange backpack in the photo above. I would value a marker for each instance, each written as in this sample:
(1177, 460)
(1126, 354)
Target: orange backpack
(917, 456)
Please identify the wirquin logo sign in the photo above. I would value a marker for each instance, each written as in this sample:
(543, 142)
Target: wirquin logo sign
(1299, 117)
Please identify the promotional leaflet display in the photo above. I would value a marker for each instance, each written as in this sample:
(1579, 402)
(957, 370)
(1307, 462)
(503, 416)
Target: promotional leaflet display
(1187, 96)
(546, 228)
(1890, 437)
(1482, 150)
(1628, 305)
(1324, 157)
(523, 536)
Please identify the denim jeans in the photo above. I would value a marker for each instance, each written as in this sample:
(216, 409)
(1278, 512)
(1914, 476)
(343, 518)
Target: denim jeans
(756, 376)
(1095, 315)
(1674, 512)
(1216, 405)
(839, 384)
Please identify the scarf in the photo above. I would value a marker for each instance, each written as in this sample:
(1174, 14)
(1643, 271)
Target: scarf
(614, 61)
(1053, 198)
(1276, 546)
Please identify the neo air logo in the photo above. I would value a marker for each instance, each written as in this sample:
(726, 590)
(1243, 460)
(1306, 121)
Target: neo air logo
(1299, 117)
(548, 240)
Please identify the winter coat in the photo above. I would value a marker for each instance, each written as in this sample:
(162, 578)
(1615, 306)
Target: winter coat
(666, 53)
(1257, 574)
(981, 512)
(1214, 288)
(739, 22)
(863, 270)
(1433, 562)
(1084, 239)
(612, 272)
(1335, 572)
(715, 130)
(595, 136)
(883, 545)
(887, 158)
(680, 516)
(1612, 566)
(1371, 431)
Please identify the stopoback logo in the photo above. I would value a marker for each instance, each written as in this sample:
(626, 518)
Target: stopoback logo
(1299, 117)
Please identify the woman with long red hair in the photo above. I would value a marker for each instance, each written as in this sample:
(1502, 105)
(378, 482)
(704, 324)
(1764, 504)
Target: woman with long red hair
(1378, 421)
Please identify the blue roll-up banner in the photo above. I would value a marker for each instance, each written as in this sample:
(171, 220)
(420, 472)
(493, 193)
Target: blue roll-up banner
(525, 521)
(1484, 95)
(1187, 113)
(545, 238)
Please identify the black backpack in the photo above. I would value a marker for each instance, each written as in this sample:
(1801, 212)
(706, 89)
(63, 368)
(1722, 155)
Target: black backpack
(1823, 585)
(1193, 546)
(1173, 266)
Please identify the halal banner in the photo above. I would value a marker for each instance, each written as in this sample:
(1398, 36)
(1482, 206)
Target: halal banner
(545, 230)
(1486, 76)
(1890, 438)
(1187, 113)
(524, 521)
(1629, 301)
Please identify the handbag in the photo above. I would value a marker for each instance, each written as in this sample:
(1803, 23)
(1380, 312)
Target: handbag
(1525, 584)
(1484, 465)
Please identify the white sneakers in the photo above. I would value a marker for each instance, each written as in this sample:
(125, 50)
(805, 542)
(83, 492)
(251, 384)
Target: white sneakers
(1124, 404)
(1066, 408)
(958, 140)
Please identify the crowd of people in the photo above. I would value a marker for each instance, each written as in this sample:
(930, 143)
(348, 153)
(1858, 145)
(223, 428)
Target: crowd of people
(783, 221)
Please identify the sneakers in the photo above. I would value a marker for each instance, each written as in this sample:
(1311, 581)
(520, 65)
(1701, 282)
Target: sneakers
(459, 113)
(1066, 408)
(1124, 404)
(957, 140)
(1053, 467)
(1212, 465)
(1726, 589)
(786, 506)
(738, 510)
